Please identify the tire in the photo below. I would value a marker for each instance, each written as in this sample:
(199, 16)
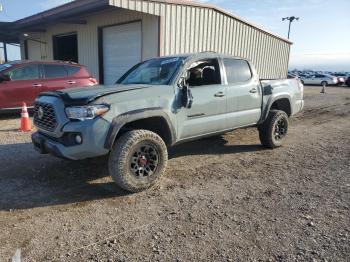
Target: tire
(138, 160)
(324, 83)
(271, 135)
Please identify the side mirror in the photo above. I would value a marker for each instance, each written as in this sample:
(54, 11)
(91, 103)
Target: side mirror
(187, 98)
(186, 94)
(183, 82)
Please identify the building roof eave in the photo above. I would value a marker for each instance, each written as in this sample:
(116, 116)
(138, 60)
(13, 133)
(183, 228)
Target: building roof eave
(84, 7)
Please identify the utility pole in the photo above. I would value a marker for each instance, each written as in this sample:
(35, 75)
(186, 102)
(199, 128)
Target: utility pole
(290, 19)
(4, 44)
(5, 52)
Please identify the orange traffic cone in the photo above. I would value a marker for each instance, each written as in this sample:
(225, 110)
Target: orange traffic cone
(25, 121)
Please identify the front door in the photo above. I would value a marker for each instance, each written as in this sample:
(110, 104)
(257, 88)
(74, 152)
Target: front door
(207, 114)
(244, 98)
(24, 86)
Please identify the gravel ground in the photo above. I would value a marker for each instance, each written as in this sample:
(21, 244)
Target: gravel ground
(222, 199)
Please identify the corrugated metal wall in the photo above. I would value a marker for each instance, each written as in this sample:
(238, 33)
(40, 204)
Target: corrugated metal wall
(183, 29)
(188, 28)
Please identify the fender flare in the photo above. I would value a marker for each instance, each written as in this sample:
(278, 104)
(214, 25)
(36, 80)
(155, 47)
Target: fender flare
(119, 121)
(270, 102)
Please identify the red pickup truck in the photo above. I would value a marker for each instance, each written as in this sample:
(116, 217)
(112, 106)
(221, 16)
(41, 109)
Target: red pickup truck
(22, 81)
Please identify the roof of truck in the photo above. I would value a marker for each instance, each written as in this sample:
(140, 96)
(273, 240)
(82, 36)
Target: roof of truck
(205, 54)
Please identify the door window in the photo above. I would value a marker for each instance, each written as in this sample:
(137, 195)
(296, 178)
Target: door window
(320, 76)
(55, 71)
(237, 70)
(204, 72)
(27, 72)
(72, 70)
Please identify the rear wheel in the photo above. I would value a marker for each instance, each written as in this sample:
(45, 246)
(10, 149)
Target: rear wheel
(274, 130)
(138, 160)
(324, 83)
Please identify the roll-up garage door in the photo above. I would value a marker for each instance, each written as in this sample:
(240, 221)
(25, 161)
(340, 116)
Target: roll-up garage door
(122, 45)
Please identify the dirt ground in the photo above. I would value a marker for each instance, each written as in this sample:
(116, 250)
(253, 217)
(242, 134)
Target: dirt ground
(222, 199)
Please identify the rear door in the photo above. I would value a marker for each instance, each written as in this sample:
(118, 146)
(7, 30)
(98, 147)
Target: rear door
(24, 86)
(320, 78)
(244, 98)
(77, 76)
(55, 77)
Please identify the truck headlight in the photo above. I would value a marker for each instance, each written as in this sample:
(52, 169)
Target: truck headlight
(86, 112)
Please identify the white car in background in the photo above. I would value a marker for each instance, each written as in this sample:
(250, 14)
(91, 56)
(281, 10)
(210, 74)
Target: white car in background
(319, 79)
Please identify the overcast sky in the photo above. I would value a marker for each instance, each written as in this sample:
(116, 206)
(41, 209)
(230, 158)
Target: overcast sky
(321, 36)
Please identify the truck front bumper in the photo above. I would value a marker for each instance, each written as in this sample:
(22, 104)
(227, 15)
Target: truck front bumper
(93, 135)
(44, 145)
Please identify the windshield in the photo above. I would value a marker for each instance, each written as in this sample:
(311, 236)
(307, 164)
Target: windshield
(4, 67)
(158, 71)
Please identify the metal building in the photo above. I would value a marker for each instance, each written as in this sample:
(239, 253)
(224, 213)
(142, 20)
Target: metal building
(109, 36)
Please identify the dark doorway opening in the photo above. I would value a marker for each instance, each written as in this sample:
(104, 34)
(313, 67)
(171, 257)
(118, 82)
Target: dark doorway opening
(65, 47)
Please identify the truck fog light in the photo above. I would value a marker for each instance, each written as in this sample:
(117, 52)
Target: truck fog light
(78, 139)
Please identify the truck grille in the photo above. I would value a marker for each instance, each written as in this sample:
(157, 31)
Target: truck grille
(45, 117)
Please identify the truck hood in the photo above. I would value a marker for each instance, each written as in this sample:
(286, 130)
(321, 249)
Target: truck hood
(86, 95)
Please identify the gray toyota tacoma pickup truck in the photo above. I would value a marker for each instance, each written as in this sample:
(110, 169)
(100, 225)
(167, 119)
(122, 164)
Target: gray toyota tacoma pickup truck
(159, 103)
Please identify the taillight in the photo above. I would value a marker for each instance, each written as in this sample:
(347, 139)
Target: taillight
(93, 81)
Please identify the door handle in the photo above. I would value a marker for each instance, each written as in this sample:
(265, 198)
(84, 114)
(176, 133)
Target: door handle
(219, 94)
(37, 85)
(71, 82)
(253, 90)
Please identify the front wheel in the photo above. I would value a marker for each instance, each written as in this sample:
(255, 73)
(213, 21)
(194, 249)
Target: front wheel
(138, 160)
(274, 129)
